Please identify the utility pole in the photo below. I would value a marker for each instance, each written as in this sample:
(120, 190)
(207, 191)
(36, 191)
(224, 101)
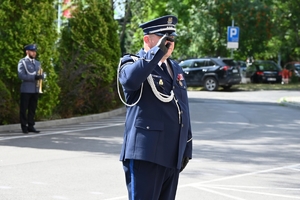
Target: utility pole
(59, 16)
(232, 49)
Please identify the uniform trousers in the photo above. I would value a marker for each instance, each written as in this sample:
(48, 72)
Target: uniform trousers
(150, 181)
(28, 102)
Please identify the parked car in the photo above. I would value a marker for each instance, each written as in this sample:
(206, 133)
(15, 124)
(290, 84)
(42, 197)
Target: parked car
(242, 65)
(211, 72)
(264, 71)
(293, 67)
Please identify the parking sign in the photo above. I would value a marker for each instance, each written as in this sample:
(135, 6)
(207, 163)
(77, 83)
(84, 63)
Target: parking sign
(233, 37)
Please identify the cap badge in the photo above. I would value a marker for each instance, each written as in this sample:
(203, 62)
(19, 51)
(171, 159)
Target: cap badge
(170, 20)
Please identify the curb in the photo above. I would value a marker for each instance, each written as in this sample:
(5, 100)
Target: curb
(73, 120)
(290, 101)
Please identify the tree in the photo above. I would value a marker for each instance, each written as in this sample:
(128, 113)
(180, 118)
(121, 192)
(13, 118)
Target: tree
(7, 110)
(203, 26)
(24, 22)
(286, 40)
(89, 55)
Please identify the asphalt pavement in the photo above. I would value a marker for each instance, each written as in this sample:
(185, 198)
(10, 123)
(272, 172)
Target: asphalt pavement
(292, 101)
(240, 152)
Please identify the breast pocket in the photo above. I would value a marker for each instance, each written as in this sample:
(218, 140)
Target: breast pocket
(182, 91)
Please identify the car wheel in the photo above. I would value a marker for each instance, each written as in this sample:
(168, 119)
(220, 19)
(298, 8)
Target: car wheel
(211, 84)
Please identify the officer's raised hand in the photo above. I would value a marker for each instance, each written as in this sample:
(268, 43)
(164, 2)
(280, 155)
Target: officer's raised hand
(163, 45)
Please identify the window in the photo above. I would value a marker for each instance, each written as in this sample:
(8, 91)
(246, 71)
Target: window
(210, 63)
(200, 63)
(229, 62)
(186, 64)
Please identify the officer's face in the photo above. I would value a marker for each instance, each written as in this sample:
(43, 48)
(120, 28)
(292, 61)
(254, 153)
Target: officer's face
(153, 39)
(31, 54)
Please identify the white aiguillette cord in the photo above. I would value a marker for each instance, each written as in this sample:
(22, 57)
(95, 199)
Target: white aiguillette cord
(25, 66)
(162, 97)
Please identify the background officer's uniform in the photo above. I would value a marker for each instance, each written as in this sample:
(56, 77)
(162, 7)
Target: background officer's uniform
(157, 134)
(27, 71)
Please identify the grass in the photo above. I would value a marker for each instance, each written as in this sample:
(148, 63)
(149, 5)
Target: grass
(255, 87)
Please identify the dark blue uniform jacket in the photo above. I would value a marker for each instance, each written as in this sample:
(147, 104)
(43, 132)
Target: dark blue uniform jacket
(27, 75)
(155, 131)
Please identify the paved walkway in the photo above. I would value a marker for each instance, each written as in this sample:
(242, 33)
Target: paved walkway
(73, 120)
(291, 101)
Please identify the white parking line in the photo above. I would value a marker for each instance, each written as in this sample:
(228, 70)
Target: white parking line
(117, 198)
(253, 187)
(59, 132)
(219, 193)
(211, 188)
(240, 175)
(295, 168)
(251, 192)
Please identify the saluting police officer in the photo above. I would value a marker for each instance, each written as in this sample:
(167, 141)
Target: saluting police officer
(157, 139)
(28, 69)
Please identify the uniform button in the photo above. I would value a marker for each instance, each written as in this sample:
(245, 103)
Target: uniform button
(181, 112)
(181, 125)
(173, 87)
(147, 127)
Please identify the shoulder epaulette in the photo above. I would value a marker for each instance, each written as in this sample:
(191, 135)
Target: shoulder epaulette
(129, 58)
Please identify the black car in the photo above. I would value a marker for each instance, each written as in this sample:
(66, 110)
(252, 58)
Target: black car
(211, 72)
(264, 71)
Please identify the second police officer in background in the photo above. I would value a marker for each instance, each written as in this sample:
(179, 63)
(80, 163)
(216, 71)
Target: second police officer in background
(157, 139)
(28, 69)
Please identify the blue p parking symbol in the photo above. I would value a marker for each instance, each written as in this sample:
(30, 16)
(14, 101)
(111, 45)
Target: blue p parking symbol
(233, 37)
(233, 34)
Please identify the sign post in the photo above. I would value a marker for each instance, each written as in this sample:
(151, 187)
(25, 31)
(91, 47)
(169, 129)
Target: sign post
(233, 37)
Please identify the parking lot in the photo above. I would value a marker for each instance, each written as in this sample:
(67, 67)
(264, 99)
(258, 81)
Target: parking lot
(246, 147)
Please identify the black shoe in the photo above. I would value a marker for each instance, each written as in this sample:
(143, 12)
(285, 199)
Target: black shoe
(32, 129)
(25, 131)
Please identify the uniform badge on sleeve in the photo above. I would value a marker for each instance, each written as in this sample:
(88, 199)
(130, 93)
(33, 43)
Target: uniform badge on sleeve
(180, 78)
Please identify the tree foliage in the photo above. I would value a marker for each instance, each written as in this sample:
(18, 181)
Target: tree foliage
(286, 39)
(22, 23)
(89, 46)
(8, 110)
(267, 28)
(89, 54)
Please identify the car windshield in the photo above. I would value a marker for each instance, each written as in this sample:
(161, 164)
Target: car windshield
(265, 66)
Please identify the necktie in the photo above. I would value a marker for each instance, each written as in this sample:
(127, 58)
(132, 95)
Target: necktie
(167, 70)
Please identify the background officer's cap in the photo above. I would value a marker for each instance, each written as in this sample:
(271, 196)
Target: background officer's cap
(31, 47)
(160, 26)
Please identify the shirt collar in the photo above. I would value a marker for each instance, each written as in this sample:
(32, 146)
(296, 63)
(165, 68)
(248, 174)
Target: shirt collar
(32, 60)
